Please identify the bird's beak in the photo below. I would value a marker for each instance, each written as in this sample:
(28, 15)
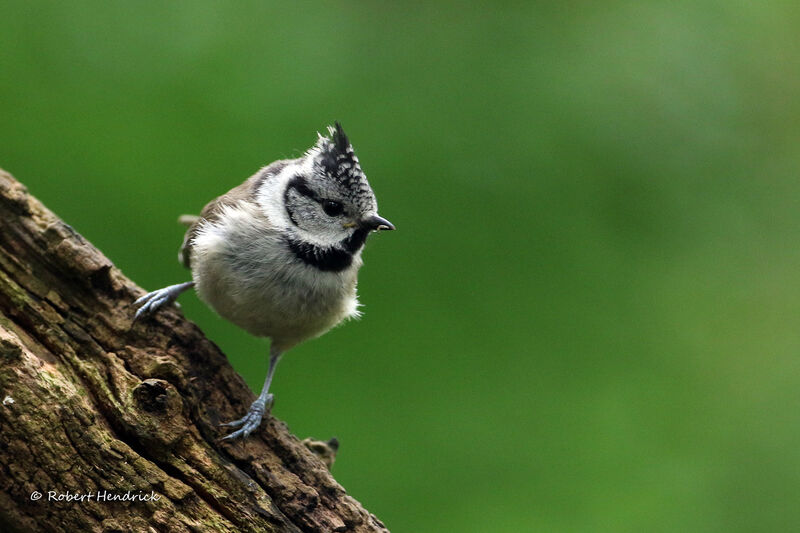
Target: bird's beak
(376, 223)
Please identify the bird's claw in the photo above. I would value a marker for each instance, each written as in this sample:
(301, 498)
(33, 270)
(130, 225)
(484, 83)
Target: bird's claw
(152, 301)
(249, 422)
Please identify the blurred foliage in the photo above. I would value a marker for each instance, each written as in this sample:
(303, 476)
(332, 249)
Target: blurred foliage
(588, 319)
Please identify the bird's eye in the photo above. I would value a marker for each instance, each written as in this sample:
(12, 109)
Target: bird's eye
(332, 208)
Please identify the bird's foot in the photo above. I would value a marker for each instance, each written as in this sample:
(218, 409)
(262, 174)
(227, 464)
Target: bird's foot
(152, 301)
(250, 422)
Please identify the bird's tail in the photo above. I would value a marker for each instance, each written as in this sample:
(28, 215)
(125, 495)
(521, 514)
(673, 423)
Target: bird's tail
(187, 220)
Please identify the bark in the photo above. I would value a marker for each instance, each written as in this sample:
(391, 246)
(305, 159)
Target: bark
(92, 404)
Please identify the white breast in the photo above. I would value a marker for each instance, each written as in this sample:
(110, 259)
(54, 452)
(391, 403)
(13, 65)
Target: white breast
(245, 272)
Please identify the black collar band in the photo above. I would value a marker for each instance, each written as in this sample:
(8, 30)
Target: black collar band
(328, 258)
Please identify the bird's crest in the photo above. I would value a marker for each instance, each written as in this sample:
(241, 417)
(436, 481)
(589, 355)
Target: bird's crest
(335, 157)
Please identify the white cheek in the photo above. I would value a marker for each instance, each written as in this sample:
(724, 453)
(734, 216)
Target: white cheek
(270, 195)
(271, 199)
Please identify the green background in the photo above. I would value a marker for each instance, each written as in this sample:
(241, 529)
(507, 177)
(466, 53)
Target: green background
(589, 317)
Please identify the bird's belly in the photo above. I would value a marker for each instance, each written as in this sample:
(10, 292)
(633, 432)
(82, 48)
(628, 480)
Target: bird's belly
(288, 305)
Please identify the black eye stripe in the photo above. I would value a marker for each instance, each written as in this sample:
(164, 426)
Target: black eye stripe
(298, 183)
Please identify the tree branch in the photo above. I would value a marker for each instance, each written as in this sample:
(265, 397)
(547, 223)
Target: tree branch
(91, 405)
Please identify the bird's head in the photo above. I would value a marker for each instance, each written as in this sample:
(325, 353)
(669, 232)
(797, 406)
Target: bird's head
(328, 199)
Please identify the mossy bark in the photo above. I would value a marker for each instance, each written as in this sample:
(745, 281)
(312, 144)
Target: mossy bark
(92, 404)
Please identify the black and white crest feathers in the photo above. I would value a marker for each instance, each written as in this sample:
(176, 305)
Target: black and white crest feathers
(340, 139)
(336, 159)
(335, 152)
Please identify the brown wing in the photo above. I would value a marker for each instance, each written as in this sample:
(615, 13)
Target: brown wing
(213, 208)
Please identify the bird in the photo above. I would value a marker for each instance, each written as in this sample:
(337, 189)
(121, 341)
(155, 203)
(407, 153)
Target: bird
(279, 254)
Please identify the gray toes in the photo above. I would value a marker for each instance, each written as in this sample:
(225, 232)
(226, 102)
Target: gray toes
(147, 297)
(236, 434)
(235, 423)
(152, 301)
(249, 422)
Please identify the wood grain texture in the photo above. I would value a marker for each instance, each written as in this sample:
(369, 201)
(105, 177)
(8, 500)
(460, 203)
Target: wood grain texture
(90, 402)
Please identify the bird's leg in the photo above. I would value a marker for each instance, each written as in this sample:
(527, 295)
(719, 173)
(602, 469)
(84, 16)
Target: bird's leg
(151, 301)
(249, 422)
